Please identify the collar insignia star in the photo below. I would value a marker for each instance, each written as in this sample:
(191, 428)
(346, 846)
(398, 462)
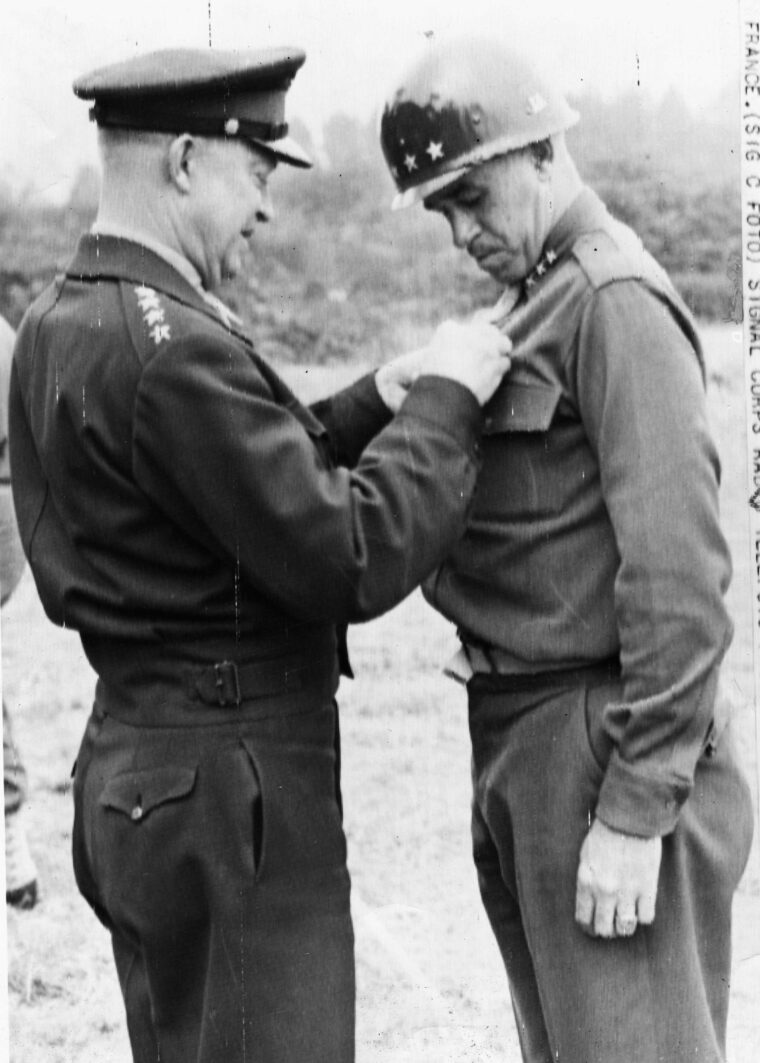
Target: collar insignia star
(410, 161)
(541, 268)
(435, 151)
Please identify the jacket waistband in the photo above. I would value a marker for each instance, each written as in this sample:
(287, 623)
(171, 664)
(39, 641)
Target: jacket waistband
(501, 683)
(166, 690)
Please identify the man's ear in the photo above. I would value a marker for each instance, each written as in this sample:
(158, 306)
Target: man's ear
(181, 159)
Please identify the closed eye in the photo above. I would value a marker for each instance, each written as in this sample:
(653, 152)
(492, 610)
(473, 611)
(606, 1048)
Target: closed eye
(469, 197)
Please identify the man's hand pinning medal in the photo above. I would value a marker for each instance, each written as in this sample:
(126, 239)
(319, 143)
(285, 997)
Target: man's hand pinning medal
(475, 354)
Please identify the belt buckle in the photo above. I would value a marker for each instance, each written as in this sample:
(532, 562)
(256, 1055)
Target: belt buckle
(227, 683)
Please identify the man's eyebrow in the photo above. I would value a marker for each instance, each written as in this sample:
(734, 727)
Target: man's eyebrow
(438, 200)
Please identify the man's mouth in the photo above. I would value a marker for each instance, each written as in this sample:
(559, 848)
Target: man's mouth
(482, 255)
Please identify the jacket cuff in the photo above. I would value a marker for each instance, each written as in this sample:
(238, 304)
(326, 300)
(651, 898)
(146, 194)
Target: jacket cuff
(353, 417)
(448, 404)
(364, 392)
(635, 802)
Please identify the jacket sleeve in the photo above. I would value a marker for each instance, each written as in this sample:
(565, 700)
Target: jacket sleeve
(642, 401)
(325, 543)
(352, 417)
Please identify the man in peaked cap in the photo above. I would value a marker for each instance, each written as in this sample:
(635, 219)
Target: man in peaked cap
(208, 535)
(610, 823)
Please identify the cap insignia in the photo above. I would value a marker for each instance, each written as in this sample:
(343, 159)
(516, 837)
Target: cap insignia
(536, 104)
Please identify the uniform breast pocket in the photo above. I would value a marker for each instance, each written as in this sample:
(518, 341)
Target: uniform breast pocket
(522, 407)
(520, 445)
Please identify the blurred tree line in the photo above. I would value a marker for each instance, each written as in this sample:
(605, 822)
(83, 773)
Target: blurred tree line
(339, 276)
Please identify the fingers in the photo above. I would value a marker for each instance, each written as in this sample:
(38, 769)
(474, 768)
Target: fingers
(605, 916)
(625, 920)
(646, 906)
(595, 908)
(584, 905)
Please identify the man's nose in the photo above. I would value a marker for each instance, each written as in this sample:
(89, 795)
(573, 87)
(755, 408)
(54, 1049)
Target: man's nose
(463, 229)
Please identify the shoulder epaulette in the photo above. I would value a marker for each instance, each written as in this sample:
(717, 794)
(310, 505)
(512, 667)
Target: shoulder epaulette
(606, 256)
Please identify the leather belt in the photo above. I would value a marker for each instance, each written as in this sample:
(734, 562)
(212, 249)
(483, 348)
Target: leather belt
(487, 663)
(227, 683)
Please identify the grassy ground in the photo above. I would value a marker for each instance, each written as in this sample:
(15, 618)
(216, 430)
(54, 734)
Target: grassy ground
(430, 984)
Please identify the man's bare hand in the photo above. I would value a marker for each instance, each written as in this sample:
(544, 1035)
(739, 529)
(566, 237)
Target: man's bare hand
(474, 354)
(394, 379)
(617, 882)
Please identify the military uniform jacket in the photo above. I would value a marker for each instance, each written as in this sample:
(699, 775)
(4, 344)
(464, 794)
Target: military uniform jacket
(595, 531)
(173, 493)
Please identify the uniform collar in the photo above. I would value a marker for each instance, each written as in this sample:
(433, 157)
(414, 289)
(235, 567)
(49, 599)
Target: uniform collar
(585, 213)
(114, 256)
(174, 258)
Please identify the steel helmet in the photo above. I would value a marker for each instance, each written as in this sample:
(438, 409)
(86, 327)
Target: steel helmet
(460, 104)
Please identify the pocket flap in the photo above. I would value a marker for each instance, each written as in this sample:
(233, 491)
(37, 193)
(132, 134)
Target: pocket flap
(136, 793)
(520, 407)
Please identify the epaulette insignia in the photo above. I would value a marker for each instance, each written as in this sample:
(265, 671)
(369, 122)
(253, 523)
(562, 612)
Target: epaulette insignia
(543, 265)
(153, 313)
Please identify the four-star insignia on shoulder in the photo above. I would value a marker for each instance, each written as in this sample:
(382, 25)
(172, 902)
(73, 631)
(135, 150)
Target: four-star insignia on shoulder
(153, 313)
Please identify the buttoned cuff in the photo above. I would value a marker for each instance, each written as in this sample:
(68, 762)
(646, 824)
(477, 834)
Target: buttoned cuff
(448, 404)
(634, 801)
(353, 416)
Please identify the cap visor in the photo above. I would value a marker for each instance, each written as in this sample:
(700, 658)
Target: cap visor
(286, 150)
(427, 188)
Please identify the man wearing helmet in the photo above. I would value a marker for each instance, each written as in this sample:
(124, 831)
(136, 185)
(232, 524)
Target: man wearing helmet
(587, 590)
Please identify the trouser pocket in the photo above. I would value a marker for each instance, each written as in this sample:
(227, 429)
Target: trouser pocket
(599, 745)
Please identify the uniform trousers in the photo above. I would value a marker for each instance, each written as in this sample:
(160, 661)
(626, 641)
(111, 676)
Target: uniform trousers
(660, 996)
(209, 841)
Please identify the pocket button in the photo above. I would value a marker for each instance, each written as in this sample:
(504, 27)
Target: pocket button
(137, 813)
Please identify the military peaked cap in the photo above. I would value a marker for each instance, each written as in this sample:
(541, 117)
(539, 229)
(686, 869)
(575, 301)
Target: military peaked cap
(211, 93)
